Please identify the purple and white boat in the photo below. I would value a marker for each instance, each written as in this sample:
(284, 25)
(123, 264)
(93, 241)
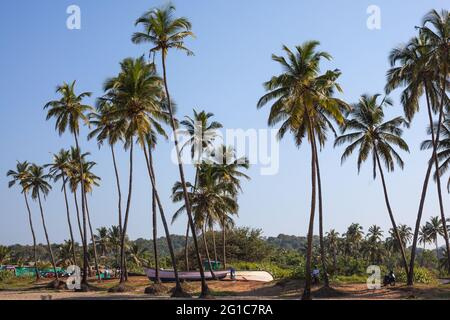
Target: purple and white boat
(169, 276)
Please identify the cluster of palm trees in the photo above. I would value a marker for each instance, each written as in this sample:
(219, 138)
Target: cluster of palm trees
(132, 112)
(305, 106)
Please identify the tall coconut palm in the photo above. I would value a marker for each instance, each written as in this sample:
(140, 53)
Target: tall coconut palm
(37, 182)
(137, 93)
(202, 135)
(423, 68)
(375, 139)
(300, 95)
(165, 32)
(19, 176)
(68, 111)
(58, 171)
(107, 128)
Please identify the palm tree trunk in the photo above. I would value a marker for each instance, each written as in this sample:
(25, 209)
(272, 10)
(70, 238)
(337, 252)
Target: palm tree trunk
(154, 218)
(322, 245)
(151, 172)
(155, 237)
(68, 219)
(119, 192)
(30, 220)
(205, 290)
(205, 243)
(94, 245)
(224, 246)
(84, 281)
(307, 290)
(127, 212)
(47, 238)
(425, 184)
(75, 199)
(391, 215)
(186, 248)
(214, 243)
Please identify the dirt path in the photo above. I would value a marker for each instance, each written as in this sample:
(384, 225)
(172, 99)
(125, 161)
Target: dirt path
(232, 290)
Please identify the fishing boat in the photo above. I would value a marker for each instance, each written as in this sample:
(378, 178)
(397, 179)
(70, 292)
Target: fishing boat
(169, 276)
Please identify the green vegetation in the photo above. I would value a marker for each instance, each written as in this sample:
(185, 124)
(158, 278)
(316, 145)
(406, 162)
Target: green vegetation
(133, 113)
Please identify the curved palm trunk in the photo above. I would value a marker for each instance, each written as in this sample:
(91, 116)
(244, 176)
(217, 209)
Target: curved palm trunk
(205, 290)
(205, 243)
(84, 281)
(154, 218)
(47, 238)
(125, 224)
(94, 244)
(68, 219)
(186, 248)
(119, 192)
(307, 290)
(151, 172)
(434, 160)
(323, 257)
(391, 215)
(224, 247)
(30, 220)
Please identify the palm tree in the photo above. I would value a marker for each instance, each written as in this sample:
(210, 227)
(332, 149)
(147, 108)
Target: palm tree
(137, 93)
(210, 200)
(69, 110)
(421, 62)
(19, 176)
(58, 171)
(435, 229)
(65, 253)
(36, 182)
(114, 239)
(137, 254)
(372, 135)
(332, 242)
(201, 135)
(228, 169)
(165, 32)
(106, 128)
(424, 238)
(353, 237)
(302, 98)
(103, 240)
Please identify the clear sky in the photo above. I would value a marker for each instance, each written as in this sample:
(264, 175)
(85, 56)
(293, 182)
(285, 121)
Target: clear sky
(235, 40)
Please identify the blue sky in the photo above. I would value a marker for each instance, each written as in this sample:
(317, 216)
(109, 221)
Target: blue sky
(235, 40)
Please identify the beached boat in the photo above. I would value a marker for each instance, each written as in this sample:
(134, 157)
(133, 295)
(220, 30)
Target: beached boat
(169, 276)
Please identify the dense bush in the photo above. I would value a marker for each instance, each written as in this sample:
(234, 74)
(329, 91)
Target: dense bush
(5, 275)
(421, 275)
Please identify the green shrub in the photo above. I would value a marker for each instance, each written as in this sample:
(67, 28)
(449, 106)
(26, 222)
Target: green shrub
(421, 275)
(5, 275)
